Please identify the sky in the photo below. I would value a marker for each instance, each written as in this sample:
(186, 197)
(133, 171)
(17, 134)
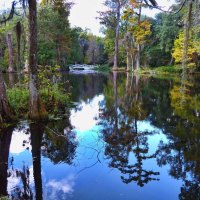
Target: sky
(84, 12)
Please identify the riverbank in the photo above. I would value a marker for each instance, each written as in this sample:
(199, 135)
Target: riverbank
(162, 70)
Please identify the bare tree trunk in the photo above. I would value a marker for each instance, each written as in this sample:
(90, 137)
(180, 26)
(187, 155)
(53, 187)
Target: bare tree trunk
(138, 57)
(137, 78)
(58, 53)
(128, 41)
(18, 35)
(11, 78)
(187, 25)
(132, 55)
(5, 110)
(25, 52)
(132, 62)
(171, 60)
(10, 53)
(138, 45)
(37, 110)
(117, 38)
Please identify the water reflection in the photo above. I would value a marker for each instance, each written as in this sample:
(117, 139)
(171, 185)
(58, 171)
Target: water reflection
(126, 136)
(41, 140)
(182, 155)
(126, 148)
(37, 131)
(59, 142)
(5, 140)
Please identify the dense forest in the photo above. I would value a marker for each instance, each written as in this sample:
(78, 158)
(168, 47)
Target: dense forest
(37, 36)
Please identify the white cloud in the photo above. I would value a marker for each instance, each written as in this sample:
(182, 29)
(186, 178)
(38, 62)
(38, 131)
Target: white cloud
(15, 181)
(65, 186)
(85, 118)
(18, 139)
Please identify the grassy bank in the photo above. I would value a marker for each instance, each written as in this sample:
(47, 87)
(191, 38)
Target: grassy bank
(161, 70)
(150, 71)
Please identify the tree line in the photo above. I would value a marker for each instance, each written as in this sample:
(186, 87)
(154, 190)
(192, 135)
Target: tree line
(131, 38)
(171, 38)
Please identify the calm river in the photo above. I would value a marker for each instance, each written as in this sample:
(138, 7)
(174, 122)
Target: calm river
(127, 138)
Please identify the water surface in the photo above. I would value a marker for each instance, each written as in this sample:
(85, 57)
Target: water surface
(127, 137)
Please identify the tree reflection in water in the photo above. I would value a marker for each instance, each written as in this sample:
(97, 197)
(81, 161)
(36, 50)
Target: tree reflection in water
(24, 191)
(55, 143)
(121, 134)
(59, 142)
(182, 154)
(5, 140)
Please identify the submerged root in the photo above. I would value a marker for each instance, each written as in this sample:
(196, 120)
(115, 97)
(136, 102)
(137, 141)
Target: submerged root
(37, 110)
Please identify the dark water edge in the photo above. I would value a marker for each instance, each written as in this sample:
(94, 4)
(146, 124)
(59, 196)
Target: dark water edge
(127, 137)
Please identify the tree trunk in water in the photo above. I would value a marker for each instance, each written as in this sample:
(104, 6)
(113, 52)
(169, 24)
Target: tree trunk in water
(5, 140)
(126, 97)
(10, 53)
(129, 62)
(117, 38)
(115, 101)
(132, 55)
(36, 141)
(37, 110)
(5, 110)
(137, 78)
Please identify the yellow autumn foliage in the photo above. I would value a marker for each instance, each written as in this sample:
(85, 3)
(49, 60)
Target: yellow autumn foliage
(178, 50)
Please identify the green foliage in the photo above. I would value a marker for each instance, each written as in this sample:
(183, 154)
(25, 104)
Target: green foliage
(103, 68)
(167, 29)
(162, 70)
(18, 99)
(53, 35)
(52, 90)
(185, 102)
(56, 101)
(169, 69)
(76, 50)
(4, 198)
(54, 96)
(62, 45)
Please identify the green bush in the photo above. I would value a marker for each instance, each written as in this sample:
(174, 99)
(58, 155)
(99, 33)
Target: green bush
(18, 99)
(55, 98)
(4, 198)
(103, 68)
